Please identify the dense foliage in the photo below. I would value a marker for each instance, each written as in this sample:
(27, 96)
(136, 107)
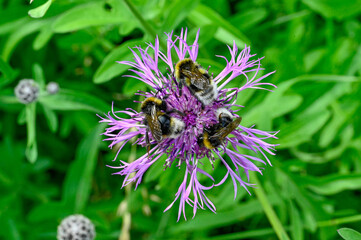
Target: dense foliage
(53, 161)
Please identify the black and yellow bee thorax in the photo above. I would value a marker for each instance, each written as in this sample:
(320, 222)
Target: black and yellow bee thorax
(150, 102)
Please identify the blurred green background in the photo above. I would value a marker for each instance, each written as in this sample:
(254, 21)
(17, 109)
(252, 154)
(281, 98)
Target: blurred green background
(52, 158)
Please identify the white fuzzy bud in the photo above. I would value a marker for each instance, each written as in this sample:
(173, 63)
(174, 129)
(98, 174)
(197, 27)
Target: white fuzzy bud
(27, 91)
(76, 227)
(52, 88)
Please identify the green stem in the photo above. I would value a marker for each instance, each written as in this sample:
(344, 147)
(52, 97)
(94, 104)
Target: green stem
(339, 221)
(267, 208)
(147, 27)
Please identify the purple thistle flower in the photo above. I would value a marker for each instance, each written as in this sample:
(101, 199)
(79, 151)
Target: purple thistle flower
(185, 149)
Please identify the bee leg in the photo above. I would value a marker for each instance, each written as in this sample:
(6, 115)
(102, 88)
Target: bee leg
(166, 96)
(148, 142)
(180, 87)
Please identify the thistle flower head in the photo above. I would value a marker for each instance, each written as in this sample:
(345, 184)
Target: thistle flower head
(27, 91)
(201, 119)
(76, 227)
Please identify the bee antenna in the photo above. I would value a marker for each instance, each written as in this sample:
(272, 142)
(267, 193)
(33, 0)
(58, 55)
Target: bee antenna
(209, 68)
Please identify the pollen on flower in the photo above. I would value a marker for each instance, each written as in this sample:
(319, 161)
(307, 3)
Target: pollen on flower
(190, 115)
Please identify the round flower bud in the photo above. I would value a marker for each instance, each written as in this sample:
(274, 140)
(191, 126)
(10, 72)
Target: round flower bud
(52, 88)
(27, 91)
(76, 227)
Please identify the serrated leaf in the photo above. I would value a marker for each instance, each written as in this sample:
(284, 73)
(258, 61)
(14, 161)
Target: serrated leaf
(349, 234)
(74, 100)
(40, 11)
(109, 67)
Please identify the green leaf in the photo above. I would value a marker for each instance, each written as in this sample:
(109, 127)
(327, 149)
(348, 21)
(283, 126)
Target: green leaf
(6, 69)
(340, 116)
(301, 129)
(74, 100)
(22, 117)
(31, 148)
(349, 234)
(39, 75)
(40, 11)
(43, 37)
(312, 58)
(249, 18)
(327, 98)
(155, 170)
(284, 105)
(92, 14)
(296, 223)
(8, 74)
(12, 229)
(77, 186)
(48, 211)
(330, 153)
(10, 26)
(209, 220)
(109, 67)
(251, 234)
(19, 34)
(173, 17)
(333, 184)
(203, 15)
(132, 85)
(51, 118)
(338, 9)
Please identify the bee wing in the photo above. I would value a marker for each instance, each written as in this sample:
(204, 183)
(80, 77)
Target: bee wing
(224, 132)
(197, 79)
(154, 125)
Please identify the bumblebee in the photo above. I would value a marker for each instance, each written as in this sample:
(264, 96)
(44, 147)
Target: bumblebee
(214, 136)
(197, 79)
(225, 117)
(158, 120)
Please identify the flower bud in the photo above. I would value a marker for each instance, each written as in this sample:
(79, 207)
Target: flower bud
(52, 88)
(76, 227)
(27, 91)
